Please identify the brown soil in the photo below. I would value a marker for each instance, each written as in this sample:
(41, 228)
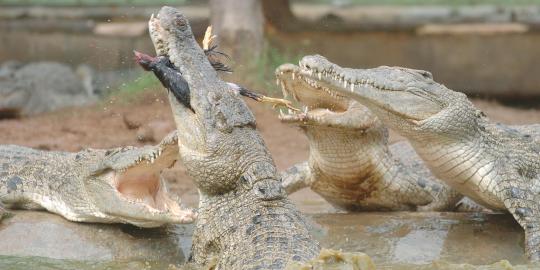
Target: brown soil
(112, 124)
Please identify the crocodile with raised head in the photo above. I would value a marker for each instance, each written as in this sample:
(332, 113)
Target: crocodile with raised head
(119, 185)
(495, 165)
(245, 220)
(350, 163)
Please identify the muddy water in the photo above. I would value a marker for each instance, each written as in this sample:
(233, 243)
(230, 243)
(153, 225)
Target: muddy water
(408, 240)
(393, 240)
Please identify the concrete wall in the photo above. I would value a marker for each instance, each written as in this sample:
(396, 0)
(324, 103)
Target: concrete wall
(490, 51)
(504, 65)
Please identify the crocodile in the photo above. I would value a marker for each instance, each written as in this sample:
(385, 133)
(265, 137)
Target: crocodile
(245, 220)
(494, 164)
(350, 162)
(118, 185)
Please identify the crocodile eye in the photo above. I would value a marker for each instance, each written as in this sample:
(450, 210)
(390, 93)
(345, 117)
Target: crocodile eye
(426, 74)
(244, 182)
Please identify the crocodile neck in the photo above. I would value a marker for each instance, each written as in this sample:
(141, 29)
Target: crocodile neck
(348, 166)
(253, 226)
(468, 164)
(344, 156)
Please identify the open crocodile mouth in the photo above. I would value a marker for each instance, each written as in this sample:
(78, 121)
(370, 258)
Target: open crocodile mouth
(345, 84)
(140, 182)
(312, 95)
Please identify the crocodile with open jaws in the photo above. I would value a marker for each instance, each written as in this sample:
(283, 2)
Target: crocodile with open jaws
(350, 163)
(245, 220)
(496, 165)
(119, 185)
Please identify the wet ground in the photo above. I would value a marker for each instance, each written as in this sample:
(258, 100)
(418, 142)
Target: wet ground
(393, 240)
(399, 240)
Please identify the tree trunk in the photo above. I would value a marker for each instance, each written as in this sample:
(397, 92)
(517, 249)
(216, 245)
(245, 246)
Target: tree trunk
(278, 14)
(239, 27)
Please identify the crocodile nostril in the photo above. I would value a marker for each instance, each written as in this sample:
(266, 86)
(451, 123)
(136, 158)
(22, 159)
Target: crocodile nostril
(268, 190)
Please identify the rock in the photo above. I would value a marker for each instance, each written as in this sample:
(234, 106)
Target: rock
(130, 122)
(40, 87)
(338, 260)
(152, 131)
(145, 134)
(161, 128)
(30, 233)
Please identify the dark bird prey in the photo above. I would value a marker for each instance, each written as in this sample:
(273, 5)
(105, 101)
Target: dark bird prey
(169, 76)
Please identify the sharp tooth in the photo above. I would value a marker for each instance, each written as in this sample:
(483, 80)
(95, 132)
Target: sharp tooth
(293, 76)
(289, 111)
(305, 109)
(344, 84)
(281, 114)
(352, 87)
(277, 81)
(282, 86)
(152, 16)
(319, 75)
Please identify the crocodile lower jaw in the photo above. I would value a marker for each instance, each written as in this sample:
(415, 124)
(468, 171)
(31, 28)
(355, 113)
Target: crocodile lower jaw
(141, 183)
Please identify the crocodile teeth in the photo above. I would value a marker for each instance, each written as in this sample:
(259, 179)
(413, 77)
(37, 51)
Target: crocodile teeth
(319, 75)
(293, 76)
(277, 81)
(352, 87)
(281, 114)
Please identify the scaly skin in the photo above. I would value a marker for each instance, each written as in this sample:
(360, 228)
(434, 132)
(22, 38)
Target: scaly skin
(350, 163)
(245, 220)
(120, 185)
(495, 165)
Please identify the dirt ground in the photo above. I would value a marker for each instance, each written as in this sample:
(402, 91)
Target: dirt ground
(115, 123)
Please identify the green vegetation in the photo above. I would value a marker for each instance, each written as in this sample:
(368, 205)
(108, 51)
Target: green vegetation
(146, 81)
(131, 90)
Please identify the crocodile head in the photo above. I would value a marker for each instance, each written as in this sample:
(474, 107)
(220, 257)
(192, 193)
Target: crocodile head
(322, 106)
(407, 100)
(218, 141)
(125, 185)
